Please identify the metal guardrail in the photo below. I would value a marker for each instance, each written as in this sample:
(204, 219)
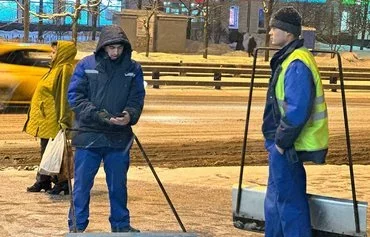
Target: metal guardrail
(357, 76)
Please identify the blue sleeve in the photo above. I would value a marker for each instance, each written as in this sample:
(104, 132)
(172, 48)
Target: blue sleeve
(299, 91)
(78, 94)
(135, 102)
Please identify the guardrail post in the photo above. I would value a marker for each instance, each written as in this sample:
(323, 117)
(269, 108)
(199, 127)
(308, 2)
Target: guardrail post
(333, 80)
(217, 77)
(155, 76)
(182, 73)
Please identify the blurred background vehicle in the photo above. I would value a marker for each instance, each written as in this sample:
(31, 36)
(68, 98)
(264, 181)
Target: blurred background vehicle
(21, 67)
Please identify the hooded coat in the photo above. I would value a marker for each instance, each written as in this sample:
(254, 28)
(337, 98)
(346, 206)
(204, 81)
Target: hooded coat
(99, 83)
(49, 110)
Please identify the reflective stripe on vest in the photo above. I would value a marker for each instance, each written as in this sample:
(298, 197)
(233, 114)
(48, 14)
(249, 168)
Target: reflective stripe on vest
(314, 135)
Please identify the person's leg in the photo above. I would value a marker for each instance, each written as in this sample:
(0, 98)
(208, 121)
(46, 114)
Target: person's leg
(116, 164)
(291, 198)
(87, 162)
(272, 218)
(43, 182)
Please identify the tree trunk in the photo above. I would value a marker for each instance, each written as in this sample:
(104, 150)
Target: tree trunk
(59, 9)
(74, 30)
(147, 41)
(40, 37)
(75, 22)
(249, 16)
(26, 20)
(155, 31)
(94, 19)
(364, 23)
(139, 4)
(188, 25)
(205, 53)
(188, 29)
(331, 25)
(268, 14)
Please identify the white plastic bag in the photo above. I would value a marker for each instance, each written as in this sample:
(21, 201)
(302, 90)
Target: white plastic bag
(52, 158)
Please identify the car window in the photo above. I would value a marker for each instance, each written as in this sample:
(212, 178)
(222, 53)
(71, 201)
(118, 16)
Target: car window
(28, 57)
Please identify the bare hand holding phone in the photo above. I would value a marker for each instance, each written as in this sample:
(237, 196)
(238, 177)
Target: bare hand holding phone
(121, 119)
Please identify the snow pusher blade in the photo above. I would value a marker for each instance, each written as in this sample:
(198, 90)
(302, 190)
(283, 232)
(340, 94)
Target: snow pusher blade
(329, 216)
(143, 234)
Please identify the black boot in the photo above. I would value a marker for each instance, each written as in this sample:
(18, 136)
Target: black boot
(125, 229)
(60, 187)
(38, 186)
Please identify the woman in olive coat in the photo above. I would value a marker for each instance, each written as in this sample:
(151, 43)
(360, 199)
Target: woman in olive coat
(49, 110)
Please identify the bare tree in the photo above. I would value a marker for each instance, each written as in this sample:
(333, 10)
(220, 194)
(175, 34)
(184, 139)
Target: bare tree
(149, 21)
(39, 25)
(322, 17)
(95, 12)
(75, 15)
(267, 8)
(26, 20)
(217, 12)
(353, 19)
(364, 22)
(191, 10)
(94, 20)
(206, 25)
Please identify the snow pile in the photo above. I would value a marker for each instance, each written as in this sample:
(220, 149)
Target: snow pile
(197, 47)
(350, 56)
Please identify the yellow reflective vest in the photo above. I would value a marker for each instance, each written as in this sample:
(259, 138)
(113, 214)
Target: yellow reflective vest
(315, 134)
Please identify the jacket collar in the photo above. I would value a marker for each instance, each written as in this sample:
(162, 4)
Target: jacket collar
(284, 52)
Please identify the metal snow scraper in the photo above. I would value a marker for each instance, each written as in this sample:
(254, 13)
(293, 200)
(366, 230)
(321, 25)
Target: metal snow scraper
(330, 216)
(74, 232)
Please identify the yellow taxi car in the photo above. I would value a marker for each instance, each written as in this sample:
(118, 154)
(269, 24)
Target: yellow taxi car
(21, 67)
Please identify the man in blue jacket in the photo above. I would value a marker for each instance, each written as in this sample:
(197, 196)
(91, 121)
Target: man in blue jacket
(106, 94)
(295, 127)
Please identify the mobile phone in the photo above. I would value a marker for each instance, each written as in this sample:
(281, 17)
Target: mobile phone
(120, 115)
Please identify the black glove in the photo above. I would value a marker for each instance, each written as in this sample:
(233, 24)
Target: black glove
(103, 116)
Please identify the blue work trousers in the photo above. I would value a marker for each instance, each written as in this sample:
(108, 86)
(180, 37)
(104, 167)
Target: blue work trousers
(116, 164)
(286, 205)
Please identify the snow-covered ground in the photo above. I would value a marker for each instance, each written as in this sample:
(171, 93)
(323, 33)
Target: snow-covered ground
(363, 54)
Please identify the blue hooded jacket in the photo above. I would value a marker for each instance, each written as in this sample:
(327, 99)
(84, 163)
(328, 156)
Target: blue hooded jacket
(99, 83)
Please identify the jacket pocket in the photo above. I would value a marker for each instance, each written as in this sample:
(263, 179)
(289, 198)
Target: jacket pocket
(42, 109)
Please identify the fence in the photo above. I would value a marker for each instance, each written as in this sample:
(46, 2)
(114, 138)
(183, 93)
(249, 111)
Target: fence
(48, 36)
(212, 74)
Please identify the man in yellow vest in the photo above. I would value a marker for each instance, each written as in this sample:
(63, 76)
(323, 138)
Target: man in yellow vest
(295, 127)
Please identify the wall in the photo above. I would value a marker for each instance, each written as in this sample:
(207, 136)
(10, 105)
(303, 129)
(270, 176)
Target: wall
(128, 25)
(170, 32)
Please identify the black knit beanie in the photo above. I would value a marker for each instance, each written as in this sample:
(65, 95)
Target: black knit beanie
(287, 19)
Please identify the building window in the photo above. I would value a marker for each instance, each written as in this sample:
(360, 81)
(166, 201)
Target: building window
(261, 18)
(8, 11)
(344, 22)
(110, 7)
(234, 17)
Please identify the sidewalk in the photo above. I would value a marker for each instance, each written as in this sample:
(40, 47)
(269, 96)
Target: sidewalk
(201, 196)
